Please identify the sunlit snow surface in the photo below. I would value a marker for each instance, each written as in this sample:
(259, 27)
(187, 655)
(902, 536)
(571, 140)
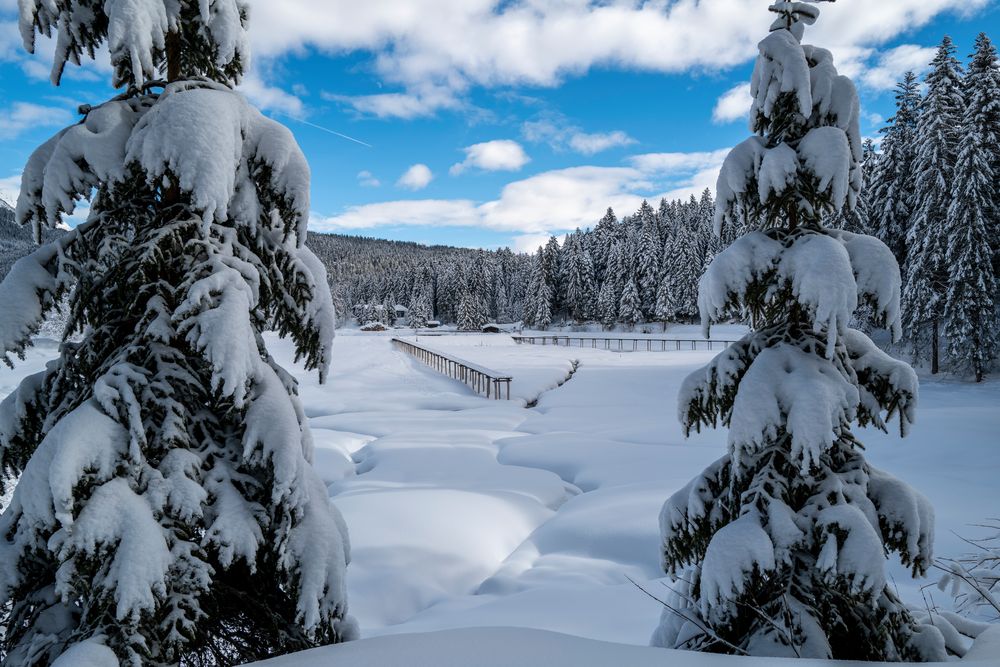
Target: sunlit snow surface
(465, 512)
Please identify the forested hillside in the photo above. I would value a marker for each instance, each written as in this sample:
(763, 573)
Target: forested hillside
(15, 241)
(644, 267)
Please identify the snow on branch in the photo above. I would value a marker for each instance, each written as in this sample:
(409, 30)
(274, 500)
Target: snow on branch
(215, 319)
(885, 384)
(29, 292)
(819, 271)
(748, 261)
(738, 550)
(877, 276)
(245, 144)
(74, 162)
(791, 390)
(906, 518)
(781, 69)
(849, 540)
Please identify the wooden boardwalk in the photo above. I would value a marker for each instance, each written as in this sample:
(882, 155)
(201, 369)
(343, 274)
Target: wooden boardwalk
(626, 343)
(480, 379)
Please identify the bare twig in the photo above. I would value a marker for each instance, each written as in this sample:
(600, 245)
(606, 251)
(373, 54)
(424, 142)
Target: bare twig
(708, 631)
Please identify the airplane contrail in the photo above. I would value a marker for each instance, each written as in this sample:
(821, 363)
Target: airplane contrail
(325, 129)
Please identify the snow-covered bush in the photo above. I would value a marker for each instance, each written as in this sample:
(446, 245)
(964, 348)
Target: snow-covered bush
(779, 547)
(166, 510)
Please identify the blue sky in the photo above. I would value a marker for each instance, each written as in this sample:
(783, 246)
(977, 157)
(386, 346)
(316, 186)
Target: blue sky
(498, 122)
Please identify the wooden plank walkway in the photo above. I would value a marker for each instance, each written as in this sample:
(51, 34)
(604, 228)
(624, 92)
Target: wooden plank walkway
(625, 343)
(480, 379)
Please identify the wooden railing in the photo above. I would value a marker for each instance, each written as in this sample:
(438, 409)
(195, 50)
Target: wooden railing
(625, 344)
(480, 379)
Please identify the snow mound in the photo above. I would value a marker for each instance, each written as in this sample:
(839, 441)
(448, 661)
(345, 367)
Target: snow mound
(503, 647)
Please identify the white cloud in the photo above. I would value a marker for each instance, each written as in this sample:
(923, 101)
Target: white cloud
(270, 98)
(367, 180)
(416, 177)
(412, 213)
(667, 163)
(733, 105)
(892, 64)
(529, 243)
(550, 202)
(24, 116)
(589, 144)
(560, 134)
(497, 155)
(451, 45)
(400, 105)
(9, 188)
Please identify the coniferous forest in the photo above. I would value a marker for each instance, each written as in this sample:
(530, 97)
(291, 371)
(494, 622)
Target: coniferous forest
(929, 192)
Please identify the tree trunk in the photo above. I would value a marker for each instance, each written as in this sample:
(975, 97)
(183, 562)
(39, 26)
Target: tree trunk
(173, 55)
(935, 363)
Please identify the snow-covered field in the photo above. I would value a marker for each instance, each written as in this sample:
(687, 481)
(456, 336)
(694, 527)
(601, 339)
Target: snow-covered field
(469, 513)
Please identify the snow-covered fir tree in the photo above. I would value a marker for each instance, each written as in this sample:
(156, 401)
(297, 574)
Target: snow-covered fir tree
(650, 249)
(578, 278)
(684, 263)
(937, 138)
(891, 184)
(629, 306)
(166, 510)
(552, 254)
(779, 547)
(538, 301)
(603, 237)
(419, 310)
(472, 312)
(970, 304)
(664, 310)
(987, 87)
(607, 305)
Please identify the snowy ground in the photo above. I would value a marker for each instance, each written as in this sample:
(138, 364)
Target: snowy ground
(466, 512)
(470, 513)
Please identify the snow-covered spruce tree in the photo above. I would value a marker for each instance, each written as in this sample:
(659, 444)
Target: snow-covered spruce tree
(472, 315)
(984, 62)
(891, 185)
(419, 310)
(536, 285)
(578, 278)
(664, 311)
(603, 237)
(937, 138)
(970, 304)
(166, 510)
(648, 262)
(779, 546)
(607, 305)
(552, 254)
(629, 307)
(685, 264)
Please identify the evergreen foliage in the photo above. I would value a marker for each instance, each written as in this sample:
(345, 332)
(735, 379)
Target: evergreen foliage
(937, 139)
(779, 547)
(166, 510)
(892, 184)
(970, 304)
(630, 307)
